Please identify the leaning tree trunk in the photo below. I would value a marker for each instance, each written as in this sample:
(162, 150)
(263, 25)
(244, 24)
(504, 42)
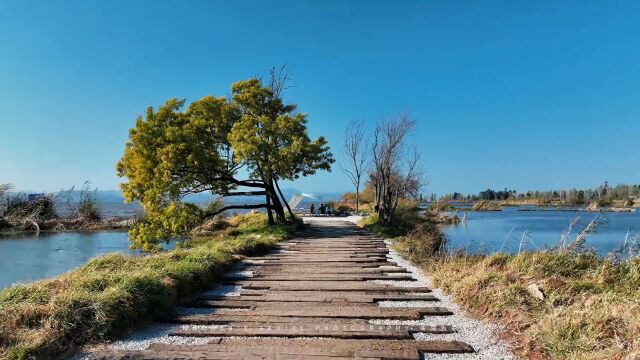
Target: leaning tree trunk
(277, 204)
(283, 199)
(269, 211)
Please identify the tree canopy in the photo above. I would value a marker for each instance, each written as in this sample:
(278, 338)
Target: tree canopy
(174, 152)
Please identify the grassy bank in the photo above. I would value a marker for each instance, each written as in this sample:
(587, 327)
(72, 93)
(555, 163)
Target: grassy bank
(590, 306)
(114, 293)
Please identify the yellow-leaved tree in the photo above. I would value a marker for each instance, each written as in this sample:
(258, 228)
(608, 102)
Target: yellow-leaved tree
(172, 153)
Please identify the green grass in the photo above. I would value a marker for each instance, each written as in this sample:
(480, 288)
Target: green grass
(114, 293)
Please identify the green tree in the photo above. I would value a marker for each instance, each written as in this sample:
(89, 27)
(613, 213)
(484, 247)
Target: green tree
(172, 153)
(272, 140)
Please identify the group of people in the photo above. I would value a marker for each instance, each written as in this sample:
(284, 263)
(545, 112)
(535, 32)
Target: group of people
(321, 210)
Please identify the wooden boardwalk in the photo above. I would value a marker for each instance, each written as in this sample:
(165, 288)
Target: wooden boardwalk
(313, 300)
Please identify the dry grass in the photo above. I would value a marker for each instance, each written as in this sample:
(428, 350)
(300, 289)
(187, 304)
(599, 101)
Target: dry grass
(114, 293)
(591, 307)
(487, 206)
(405, 219)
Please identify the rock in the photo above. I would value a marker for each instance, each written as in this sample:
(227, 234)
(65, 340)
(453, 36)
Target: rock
(620, 209)
(535, 291)
(211, 227)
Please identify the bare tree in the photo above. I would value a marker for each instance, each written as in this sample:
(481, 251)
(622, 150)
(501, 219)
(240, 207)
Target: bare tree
(279, 82)
(280, 79)
(396, 172)
(354, 163)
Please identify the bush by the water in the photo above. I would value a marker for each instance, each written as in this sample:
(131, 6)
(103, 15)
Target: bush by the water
(114, 293)
(21, 211)
(426, 240)
(486, 206)
(439, 206)
(405, 219)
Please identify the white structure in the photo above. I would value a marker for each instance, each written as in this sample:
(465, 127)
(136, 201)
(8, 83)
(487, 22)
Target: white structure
(297, 199)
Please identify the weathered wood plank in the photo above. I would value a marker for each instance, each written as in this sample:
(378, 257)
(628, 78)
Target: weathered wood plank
(297, 331)
(318, 277)
(321, 296)
(360, 312)
(327, 286)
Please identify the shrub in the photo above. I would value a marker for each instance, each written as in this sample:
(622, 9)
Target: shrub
(87, 208)
(423, 243)
(486, 206)
(439, 206)
(404, 220)
(19, 207)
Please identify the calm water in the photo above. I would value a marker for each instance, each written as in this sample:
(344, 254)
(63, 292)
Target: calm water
(488, 231)
(25, 257)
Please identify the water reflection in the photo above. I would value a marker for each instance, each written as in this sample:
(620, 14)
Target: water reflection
(491, 231)
(25, 258)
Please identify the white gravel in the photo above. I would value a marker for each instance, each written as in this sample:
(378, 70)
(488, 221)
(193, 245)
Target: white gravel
(224, 290)
(353, 219)
(141, 340)
(481, 335)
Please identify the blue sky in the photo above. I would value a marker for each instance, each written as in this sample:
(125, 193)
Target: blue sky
(525, 95)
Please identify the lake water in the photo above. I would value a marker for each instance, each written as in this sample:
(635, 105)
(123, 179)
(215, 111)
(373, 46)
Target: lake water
(25, 258)
(502, 230)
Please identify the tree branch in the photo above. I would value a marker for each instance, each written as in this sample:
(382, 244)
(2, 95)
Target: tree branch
(244, 193)
(245, 206)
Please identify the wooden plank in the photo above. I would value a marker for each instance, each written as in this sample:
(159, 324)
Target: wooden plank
(327, 286)
(325, 260)
(320, 328)
(217, 319)
(326, 264)
(360, 312)
(318, 277)
(305, 348)
(285, 269)
(298, 330)
(250, 304)
(321, 296)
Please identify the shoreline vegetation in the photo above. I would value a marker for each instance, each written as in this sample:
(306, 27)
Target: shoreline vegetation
(619, 198)
(21, 212)
(115, 293)
(57, 225)
(554, 303)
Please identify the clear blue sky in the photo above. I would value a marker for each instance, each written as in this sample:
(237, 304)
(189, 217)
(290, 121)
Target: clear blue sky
(525, 95)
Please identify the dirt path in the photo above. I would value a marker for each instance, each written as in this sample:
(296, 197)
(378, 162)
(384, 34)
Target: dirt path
(320, 297)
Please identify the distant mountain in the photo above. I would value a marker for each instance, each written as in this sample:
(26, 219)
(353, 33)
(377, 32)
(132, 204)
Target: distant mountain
(115, 196)
(107, 196)
(288, 194)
